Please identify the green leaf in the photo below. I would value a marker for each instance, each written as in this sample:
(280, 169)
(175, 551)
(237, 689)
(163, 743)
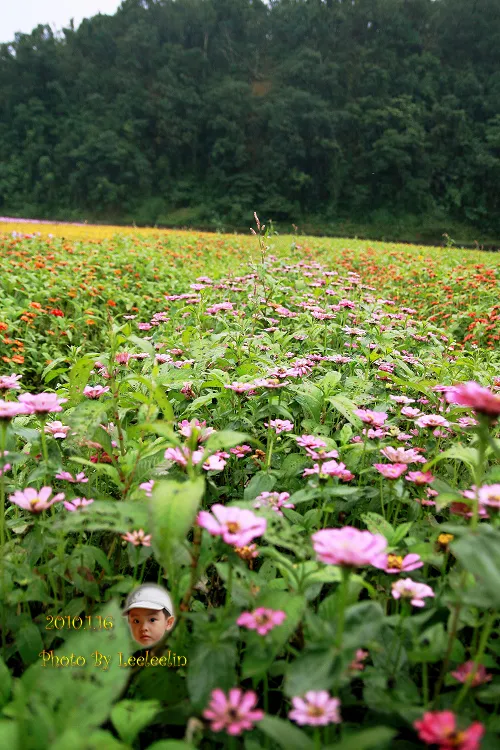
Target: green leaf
(260, 482)
(366, 739)
(130, 717)
(9, 735)
(226, 439)
(171, 745)
(221, 657)
(400, 533)
(173, 508)
(286, 734)
(164, 404)
(5, 683)
(29, 642)
(311, 670)
(468, 456)
(479, 553)
(78, 379)
(107, 469)
(346, 407)
(143, 345)
(378, 525)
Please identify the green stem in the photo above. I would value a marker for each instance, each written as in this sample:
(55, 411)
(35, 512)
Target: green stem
(229, 587)
(317, 738)
(344, 587)
(483, 642)
(425, 683)
(3, 441)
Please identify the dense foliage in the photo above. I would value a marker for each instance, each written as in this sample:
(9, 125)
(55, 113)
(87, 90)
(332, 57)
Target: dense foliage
(191, 111)
(296, 454)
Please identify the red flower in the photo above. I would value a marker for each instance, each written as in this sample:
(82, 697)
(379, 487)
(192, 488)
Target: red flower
(57, 313)
(439, 728)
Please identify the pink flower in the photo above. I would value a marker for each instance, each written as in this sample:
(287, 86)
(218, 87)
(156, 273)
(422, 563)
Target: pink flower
(310, 441)
(489, 494)
(432, 420)
(56, 429)
(138, 538)
(94, 391)
(410, 411)
(402, 399)
(481, 399)
(186, 429)
(122, 358)
(240, 450)
(148, 487)
(330, 469)
(240, 387)
(420, 477)
(77, 502)
(237, 526)
(234, 713)
(35, 500)
(280, 425)
(317, 708)
(398, 564)
(216, 462)
(463, 672)
(376, 418)
(11, 409)
(79, 478)
(440, 728)
(348, 546)
(467, 422)
(402, 456)
(357, 663)
(261, 619)
(10, 382)
(391, 471)
(42, 403)
(409, 589)
(319, 454)
(273, 500)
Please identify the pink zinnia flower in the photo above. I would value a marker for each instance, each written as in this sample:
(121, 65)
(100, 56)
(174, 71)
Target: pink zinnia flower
(310, 441)
(11, 409)
(180, 456)
(316, 708)
(148, 487)
(319, 454)
(467, 422)
(234, 713)
(42, 403)
(463, 672)
(35, 500)
(240, 450)
(348, 546)
(479, 398)
(402, 399)
(56, 429)
(261, 619)
(280, 425)
(391, 471)
(489, 494)
(138, 538)
(402, 456)
(95, 391)
(409, 589)
(216, 462)
(10, 382)
(357, 663)
(122, 358)
(67, 477)
(376, 418)
(398, 564)
(273, 500)
(240, 387)
(237, 526)
(420, 477)
(440, 728)
(410, 412)
(77, 503)
(186, 429)
(432, 420)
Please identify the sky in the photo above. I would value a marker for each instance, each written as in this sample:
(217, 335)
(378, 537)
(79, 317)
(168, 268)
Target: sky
(25, 15)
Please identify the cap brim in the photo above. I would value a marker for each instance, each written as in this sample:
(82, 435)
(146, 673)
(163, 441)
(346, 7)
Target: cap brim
(145, 605)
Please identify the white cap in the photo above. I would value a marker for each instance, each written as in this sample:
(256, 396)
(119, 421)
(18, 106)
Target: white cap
(149, 596)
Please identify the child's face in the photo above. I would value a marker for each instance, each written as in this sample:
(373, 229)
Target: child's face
(148, 626)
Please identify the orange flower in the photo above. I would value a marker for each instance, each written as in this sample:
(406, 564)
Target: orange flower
(36, 305)
(18, 359)
(110, 303)
(89, 322)
(3, 326)
(6, 359)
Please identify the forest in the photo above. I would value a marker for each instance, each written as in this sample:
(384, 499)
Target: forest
(196, 112)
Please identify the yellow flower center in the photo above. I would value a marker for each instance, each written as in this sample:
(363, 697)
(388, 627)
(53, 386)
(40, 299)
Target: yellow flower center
(233, 527)
(394, 561)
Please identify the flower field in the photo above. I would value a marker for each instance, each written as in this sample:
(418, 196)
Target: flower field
(299, 439)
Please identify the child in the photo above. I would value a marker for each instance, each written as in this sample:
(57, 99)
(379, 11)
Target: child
(149, 611)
